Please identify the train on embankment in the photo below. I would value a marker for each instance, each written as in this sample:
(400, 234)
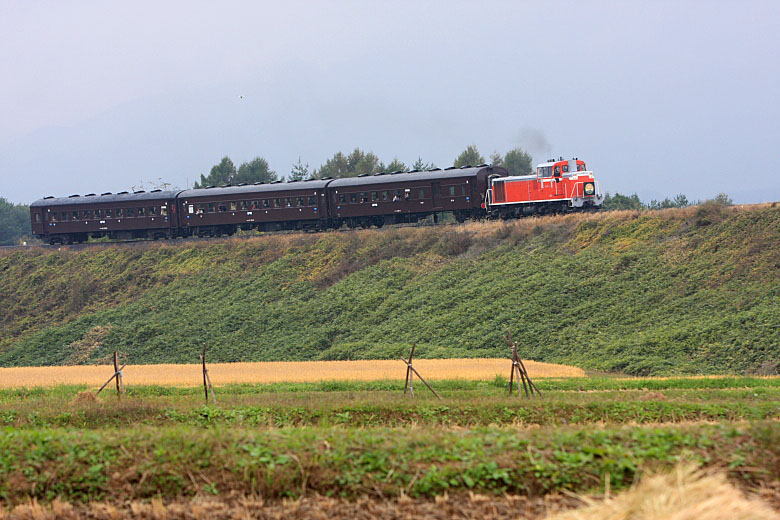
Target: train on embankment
(367, 200)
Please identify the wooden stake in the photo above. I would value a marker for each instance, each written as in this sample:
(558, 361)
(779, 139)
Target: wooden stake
(408, 384)
(411, 372)
(206, 379)
(115, 374)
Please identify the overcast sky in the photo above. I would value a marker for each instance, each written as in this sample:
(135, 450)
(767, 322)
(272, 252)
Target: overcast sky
(658, 97)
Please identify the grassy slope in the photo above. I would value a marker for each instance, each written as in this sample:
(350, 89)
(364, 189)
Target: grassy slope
(675, 291)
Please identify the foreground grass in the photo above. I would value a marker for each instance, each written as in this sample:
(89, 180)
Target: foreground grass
(171, 462)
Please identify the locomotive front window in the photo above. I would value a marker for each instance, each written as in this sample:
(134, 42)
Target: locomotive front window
(565, 168)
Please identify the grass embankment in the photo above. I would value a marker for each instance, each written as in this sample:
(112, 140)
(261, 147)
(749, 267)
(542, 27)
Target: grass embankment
(674, 291)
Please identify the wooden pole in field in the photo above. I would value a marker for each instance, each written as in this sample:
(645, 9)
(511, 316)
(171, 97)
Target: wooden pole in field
(115, 374)
(411, 372)
(519, 367)
(409, 375)
(118, 377)
(206, 379)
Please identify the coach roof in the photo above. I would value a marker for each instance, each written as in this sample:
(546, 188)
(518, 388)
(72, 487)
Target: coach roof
(105, 199)
(250, 189)
(389, 178)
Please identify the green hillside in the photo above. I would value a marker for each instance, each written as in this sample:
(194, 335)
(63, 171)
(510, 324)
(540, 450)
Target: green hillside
(674, 291)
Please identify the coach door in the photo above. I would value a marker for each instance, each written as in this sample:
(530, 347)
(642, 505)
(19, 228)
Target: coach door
(436, 195)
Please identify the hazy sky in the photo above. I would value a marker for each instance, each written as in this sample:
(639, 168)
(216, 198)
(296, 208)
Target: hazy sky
(658, 97)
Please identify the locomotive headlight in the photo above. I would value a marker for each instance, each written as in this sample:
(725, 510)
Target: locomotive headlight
(590, 189)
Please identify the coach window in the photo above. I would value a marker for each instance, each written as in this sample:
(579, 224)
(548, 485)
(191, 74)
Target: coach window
(109, 213)
(277, 203)
(255, 204)
(201, 209)
(266, 203)
(142, 211)
(130, 212)
(244, 205)
(53, 216)
(462, 189)
(353, 197)
(163, 211)
(385, 195)
(37, 217)
(301, 201)
(452, 191)
(342, 198)
(233, 206)
(363, 197)
(374, 196)
(288, 202)
(421, 193)
(152, 211)
(120, 213)
(312, 200)
(64, 216)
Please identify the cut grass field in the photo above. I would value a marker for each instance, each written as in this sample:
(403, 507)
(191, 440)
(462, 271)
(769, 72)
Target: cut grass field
(272, 372)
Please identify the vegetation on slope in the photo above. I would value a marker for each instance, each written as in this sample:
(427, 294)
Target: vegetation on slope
(675, 291)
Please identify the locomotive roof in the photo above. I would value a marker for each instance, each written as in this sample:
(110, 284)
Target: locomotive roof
(256, 188)
(74, 200)
(389, 178)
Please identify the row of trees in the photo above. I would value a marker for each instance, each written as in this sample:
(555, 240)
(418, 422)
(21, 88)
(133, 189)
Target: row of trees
(14, 222)
(357, 162)
(620, 201)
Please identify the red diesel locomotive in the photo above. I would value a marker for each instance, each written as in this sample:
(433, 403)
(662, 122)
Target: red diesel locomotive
(557, 186)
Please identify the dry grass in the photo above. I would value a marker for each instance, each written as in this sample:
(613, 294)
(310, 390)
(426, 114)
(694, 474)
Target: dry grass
(682, 494)
(275, 372)
(314, 507)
